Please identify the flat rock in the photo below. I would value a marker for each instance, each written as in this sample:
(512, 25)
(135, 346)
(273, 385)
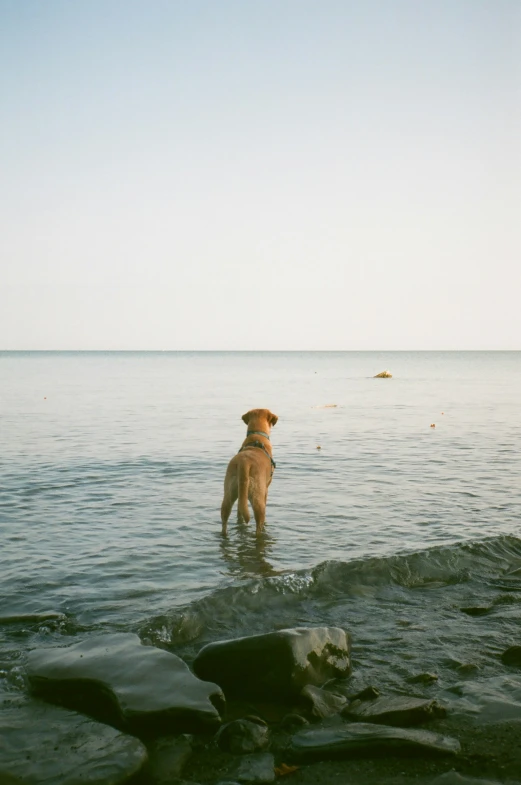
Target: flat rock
(322, 702)
(343, 741)
(395, 710)
(453, 778)
(47, 744)
(278, 664)
(136, 688)
(243, 736)
(256, 768)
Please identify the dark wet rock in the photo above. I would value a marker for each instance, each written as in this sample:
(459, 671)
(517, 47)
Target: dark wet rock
(167, 758)
(278, 664)
(345, 687)
(365, 738)
(367, 694)
(423, 678)
(254, 718)
(40, 743)
(512, 656)
(453, 778)
(32, 618)
(134, 687)
(242, 736)
(293, 721)
(395, 710)
(257, 768)
(476, 611)
(322, 703)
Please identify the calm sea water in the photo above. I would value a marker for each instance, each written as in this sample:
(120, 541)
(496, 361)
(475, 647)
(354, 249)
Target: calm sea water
(111, 474)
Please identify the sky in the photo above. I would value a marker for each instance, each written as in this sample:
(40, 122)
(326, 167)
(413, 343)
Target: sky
(260, 174)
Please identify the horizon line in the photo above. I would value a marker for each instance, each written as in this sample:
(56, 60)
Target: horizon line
(234, 351)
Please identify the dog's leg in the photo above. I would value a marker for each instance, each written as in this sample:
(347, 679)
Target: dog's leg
(259, 513)
(226, 508)
(243, 482)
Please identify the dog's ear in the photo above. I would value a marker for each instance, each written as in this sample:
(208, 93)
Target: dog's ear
(246, 417)
(272, 419)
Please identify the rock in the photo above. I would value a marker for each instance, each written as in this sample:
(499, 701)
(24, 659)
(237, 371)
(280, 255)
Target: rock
(278, 664)
(32, 618)
(476, 610)
(241, 736)
(395, 710)
(323, 703)
(343, 741)
(136, 688)
(453, 778)
(48, 744)
(366, 694)
(383, 375)
(167, 757)
(293, 721)
(345, 687)
(255, 768)
(512, 656)
(423, 678)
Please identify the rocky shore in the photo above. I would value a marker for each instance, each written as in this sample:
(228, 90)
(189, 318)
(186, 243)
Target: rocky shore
(278, 706)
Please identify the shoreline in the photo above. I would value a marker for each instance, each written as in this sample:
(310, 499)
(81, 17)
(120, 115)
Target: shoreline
(490, 752)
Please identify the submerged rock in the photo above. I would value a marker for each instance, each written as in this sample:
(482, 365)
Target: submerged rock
(395, 710)
(47, 744)
(278, 664)
(362, 737)
(423, 678)
(512, 656)
(134, 687)
(322, 702)
(242, 736)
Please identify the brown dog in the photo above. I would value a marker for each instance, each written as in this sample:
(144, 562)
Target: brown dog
(249, 472)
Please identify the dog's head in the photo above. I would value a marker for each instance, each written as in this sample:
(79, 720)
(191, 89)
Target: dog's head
(260, 420)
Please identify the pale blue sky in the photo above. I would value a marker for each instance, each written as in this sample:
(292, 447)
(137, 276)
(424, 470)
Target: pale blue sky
(260, 174)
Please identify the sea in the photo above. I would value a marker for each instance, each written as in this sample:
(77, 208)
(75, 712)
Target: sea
(394, 511)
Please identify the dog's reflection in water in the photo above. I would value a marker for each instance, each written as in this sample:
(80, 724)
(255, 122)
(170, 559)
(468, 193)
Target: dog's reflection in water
(246, 555)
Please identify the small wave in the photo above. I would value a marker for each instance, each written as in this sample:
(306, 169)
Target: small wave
(301, 597)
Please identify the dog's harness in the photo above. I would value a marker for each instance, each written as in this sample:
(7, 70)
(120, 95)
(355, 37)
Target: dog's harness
(261, 447)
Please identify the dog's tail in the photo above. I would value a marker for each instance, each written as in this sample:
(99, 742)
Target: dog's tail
(243, 485)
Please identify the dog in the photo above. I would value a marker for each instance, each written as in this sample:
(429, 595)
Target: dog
(250, 472)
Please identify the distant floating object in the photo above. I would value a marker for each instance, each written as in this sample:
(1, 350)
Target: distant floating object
(326, 406)
(383, 375)
(433, 425)
(443, 412)
(319, 447)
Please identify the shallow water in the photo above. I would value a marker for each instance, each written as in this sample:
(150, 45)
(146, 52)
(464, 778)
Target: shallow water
(111, 480)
